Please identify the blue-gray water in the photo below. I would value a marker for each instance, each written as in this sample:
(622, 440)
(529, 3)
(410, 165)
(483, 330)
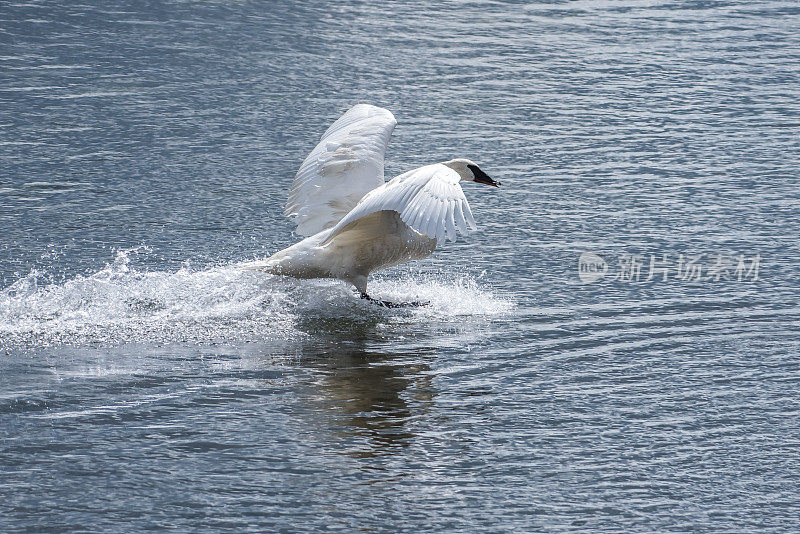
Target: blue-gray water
(146, 383)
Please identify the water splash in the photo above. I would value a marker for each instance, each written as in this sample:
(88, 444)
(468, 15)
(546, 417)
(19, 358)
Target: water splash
(120, 304)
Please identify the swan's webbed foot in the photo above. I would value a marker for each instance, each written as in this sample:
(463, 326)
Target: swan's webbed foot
(388, 304)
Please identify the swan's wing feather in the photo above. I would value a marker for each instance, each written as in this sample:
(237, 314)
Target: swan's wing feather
(345, 165)
(461, 220)
(429, 200)
(451, 225)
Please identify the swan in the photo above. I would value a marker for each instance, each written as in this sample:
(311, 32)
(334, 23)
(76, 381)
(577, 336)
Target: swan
(354, 222)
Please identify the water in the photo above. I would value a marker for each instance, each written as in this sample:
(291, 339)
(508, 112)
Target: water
(147, 383)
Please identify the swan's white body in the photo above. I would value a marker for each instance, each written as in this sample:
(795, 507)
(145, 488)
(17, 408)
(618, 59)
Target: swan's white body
(375, 242)
(356, 223)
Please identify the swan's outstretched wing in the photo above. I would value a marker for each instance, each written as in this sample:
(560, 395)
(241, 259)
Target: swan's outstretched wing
(345, 165)
(428, 199)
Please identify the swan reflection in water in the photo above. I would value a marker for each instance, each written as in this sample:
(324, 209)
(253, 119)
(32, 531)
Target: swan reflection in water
(366, 396)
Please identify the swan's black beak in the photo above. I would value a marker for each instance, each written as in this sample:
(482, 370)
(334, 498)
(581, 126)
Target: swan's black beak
(481, 177)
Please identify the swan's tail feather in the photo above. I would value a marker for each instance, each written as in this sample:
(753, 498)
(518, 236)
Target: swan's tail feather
(268, 265)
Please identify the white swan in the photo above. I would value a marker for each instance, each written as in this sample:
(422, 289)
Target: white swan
(358, 223)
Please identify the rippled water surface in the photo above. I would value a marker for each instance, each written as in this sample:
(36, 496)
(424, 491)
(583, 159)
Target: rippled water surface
(148, 383)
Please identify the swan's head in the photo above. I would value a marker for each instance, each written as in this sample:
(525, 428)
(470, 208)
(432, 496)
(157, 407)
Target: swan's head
(470, 172)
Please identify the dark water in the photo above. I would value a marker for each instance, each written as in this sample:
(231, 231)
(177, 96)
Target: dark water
(147, 383)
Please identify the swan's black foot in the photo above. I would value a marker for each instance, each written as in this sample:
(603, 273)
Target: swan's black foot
(387, 304)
